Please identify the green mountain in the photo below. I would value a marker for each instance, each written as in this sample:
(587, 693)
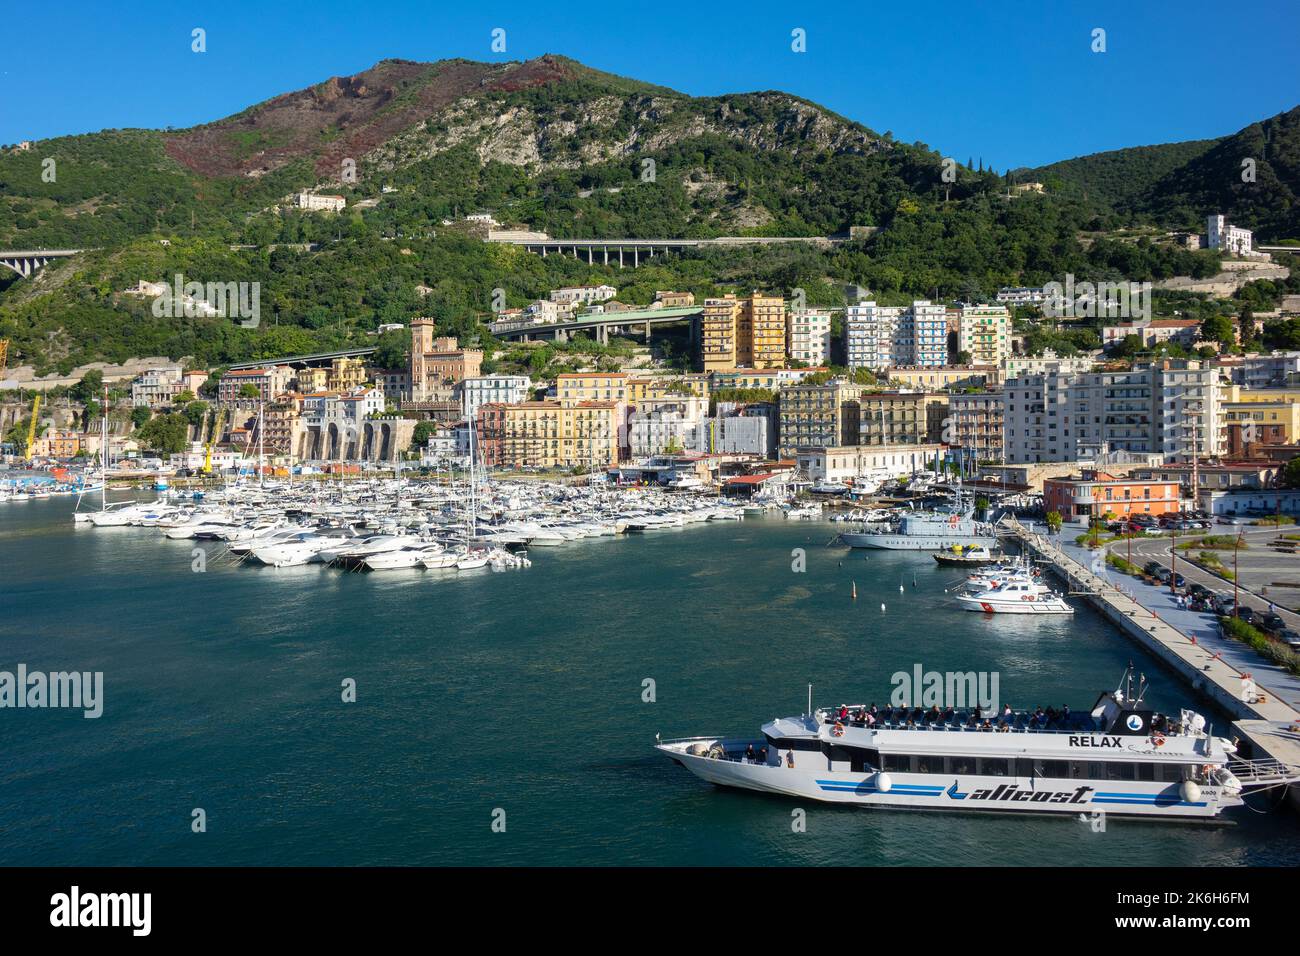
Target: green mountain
(556, 146)
(1120, 178)
(1253, 176)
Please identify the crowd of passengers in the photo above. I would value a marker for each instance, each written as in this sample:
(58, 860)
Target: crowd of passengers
(1008, 719)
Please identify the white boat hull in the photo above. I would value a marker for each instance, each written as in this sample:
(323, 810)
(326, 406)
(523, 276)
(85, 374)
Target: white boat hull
(915, 791)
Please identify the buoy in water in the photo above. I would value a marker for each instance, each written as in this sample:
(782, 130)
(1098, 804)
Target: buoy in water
(900, 589)
(882, 607)
(855, 590)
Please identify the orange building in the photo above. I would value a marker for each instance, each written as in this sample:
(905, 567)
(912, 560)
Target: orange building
(1096, 494)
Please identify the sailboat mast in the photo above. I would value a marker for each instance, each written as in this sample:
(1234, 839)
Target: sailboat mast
(261, 468)
(103, 456)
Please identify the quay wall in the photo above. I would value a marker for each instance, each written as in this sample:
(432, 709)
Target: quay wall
(1266, 724)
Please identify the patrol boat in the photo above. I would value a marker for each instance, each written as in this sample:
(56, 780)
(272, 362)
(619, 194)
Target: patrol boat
(1120, 758)
(928, 531)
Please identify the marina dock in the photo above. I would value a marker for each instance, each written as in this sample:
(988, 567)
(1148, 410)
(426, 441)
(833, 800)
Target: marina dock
(1270, 726)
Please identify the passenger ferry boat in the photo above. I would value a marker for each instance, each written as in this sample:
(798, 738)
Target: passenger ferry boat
(1119, 758)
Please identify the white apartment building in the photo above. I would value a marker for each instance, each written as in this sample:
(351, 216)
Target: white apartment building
(1230, 239)
(347, 410)
(808, 337)
(985, 332)
(655, 426)
(924, 329)
(543, 310)
(441, 450)
(318, 201)
(1279, 370)
(870, 331)
(1014, 366)
(159, 386)
(483, 389)
(1020, 296)
(1167, 409)
(879, 337)
(582, 294)
(846, 462)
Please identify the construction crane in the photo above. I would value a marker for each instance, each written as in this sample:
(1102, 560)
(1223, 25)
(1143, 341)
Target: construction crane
(31, 428)
(4, 357)
(216, 433)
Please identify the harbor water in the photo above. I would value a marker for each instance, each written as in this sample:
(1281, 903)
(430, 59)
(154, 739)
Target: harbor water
(515, 698)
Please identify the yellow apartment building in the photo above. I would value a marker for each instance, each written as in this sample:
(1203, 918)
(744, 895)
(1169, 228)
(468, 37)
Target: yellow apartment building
(551, 434)
(748, 332)
(571, 387)
(1285, 415)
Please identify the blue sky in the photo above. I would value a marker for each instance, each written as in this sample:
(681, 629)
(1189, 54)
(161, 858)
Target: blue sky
(1014, 83)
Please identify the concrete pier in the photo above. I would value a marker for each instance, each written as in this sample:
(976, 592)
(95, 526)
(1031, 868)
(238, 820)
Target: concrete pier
(1269, 725)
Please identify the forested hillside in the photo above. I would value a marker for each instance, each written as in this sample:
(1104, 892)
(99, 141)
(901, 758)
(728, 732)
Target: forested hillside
(553, 145)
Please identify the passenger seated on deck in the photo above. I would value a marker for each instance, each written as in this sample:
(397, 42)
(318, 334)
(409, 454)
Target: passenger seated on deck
(917, 715)
(1004, 728)
(1065, 716)
(932, 715)
(948, 714)
(749, 753)
(762, 755)
(871, 720)
(844, 711)
(888, 713)
(874, 712)
(1051, 717)
(988, 725)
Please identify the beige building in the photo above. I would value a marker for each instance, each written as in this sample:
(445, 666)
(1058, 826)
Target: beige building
(900, 418)
(320, 202)
(938, 378)
(346, 374)
(438, 365)
(269, 382)
(849, 461)
(819, 415)
(571, 387)
(975, 423)
(675, 300)
(552, 435)
(984, 331)
(313, 379)
(640, 387)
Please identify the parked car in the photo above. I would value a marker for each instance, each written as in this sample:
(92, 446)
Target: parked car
(1247, 614)
(1152, 567)
(1230, 519)
(1179, 580)
(1290, 638)
(1272, 622)
(1163, 575)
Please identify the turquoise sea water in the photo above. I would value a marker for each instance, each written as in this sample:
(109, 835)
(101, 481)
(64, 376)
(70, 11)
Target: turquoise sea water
(518, 691)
